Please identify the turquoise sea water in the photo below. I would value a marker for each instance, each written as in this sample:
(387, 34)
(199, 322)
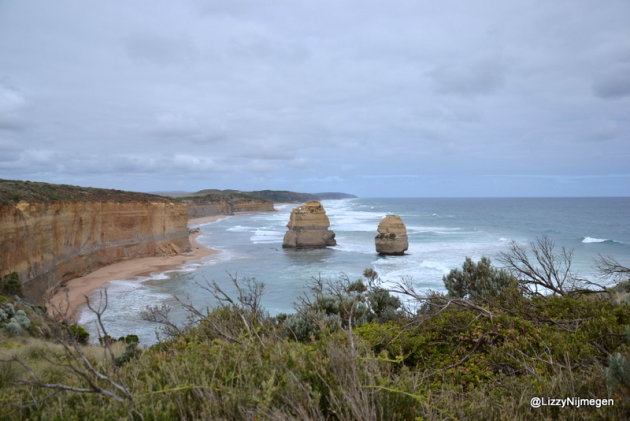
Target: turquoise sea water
(442, 233)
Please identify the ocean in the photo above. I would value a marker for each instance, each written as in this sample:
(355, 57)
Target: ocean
(442, 233)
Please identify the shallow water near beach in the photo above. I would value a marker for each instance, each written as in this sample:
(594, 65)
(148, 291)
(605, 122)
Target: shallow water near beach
(442, 233)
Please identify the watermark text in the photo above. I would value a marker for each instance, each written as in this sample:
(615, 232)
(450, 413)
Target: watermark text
(538, 401)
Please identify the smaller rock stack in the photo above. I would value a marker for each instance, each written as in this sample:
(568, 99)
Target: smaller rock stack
(392, 236)
(308, 228)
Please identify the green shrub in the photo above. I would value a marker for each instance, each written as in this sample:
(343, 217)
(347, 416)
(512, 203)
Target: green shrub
(383, 305)
(13, 327)
(106, 340)
(79, 334)
(10, 284)
(479, 281)
(9, 309)
(130, 339)
(618, 374)
(341, 303)
(22, 319)
(130, 353)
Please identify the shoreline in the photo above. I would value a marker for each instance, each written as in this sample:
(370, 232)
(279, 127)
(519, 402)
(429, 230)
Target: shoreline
(67, 299)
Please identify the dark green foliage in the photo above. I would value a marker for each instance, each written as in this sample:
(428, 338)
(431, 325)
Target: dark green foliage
(106, 340)
(618, 374)
(278, 196)
(357, 286)
(130, 339)
(479, 281)
(386, 236)
(283, 196)
(340, 304)
(383, 305)
(79, 334)
(131, 352)
(10, 284)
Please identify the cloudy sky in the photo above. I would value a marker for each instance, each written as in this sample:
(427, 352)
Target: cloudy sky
(376, 98)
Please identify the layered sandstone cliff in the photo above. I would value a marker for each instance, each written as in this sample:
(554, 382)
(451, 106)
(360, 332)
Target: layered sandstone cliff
(49, 241)
(211, 205)
(392, 236)
(308, 228)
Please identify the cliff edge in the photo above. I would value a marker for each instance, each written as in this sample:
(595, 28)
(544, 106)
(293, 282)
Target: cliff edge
(52, 233)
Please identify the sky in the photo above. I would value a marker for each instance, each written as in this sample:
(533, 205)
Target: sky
(377, 98)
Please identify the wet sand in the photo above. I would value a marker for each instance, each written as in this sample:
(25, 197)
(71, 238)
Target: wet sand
(67, 299)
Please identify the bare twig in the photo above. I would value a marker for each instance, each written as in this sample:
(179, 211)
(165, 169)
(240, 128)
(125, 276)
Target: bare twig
(543, 267)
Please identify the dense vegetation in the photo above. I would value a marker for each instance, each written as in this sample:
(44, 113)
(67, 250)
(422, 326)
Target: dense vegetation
(353, 350)
(219, 196)
(278, 196)
(281, 196)
(12, 191)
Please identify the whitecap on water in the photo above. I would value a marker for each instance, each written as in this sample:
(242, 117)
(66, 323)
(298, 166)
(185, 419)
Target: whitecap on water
(240, 228)
(594, 240)
(266, 236)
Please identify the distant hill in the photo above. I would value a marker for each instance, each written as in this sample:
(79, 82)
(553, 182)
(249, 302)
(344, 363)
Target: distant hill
(12, 191)
(278, 196)
(283, 196)
(213, 195)
(333, 196)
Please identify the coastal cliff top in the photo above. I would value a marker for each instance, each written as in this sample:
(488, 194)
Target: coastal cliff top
(13, 191)
(211, 196)
(279, 196)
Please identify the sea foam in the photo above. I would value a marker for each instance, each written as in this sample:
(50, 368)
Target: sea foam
(594, 240)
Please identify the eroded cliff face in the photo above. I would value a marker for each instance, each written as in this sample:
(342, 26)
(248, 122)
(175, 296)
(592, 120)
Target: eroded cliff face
(199, 210)
(47, 243)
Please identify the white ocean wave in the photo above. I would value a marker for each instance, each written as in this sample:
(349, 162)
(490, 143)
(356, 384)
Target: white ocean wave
(594, 240)
(432, 229)
(240, 228)
(436, 266)
(350, 244)
(266, 236)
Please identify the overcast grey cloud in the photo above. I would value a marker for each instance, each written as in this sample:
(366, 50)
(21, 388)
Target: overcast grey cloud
(396, 98)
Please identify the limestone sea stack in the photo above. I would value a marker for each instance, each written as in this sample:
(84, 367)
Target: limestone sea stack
(308, 227)
(392, 236)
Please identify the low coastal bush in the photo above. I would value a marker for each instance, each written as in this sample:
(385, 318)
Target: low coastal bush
(353, 351)
(480, 281)
(10, 285)
(79, 334)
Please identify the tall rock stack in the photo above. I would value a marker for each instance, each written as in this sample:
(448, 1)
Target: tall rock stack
(308, 228)
(392, 236)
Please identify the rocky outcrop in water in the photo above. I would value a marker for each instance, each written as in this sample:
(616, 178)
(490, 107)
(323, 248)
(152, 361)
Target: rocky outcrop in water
(308, 228)
(392, 236)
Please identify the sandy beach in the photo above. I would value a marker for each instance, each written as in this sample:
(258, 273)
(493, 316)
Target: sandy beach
(68, 299)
